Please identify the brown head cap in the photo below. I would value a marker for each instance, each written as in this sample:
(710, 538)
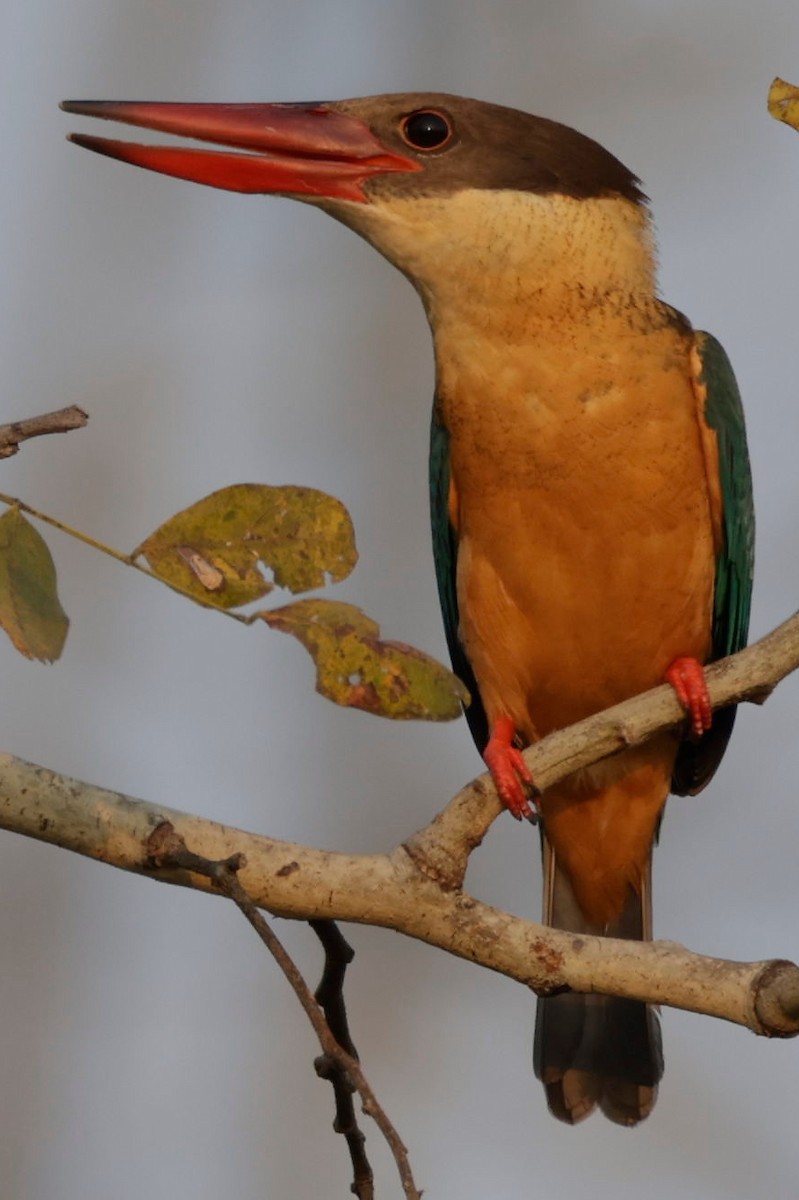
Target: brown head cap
(462, 143)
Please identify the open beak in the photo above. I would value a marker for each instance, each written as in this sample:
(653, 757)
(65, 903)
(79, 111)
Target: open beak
(293, 149)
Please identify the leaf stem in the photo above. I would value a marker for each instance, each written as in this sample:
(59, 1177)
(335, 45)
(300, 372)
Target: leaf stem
(126, 559)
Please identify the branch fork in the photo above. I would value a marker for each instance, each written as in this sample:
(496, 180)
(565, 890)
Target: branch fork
(416, 889)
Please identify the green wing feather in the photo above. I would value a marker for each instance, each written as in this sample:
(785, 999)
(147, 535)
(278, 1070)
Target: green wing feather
(445, 553)
(698, 760)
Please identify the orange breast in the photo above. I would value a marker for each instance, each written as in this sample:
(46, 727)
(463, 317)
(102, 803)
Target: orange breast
(586, 553)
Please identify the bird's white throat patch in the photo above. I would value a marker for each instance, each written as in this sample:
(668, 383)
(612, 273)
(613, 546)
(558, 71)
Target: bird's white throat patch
(508, 249)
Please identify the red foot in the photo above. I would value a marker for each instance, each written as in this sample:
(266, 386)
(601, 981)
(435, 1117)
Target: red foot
(509, 771)
(687, 678)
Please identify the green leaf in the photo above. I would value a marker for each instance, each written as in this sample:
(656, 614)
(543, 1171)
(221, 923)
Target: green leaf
(354, 668)
(30, 611)
(783, 102)
(213, 549)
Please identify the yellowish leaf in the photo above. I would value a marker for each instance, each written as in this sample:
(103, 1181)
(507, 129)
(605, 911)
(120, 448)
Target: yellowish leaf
(30, 611)
(358, 670)
(213, 549)
(783, 102)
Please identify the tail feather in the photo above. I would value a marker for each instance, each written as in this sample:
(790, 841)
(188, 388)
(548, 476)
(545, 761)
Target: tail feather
(597, 1051)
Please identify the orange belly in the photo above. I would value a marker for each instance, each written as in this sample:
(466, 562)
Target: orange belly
(586, 564)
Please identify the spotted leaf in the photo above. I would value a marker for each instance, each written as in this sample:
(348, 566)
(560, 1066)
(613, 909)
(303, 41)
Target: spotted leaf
(356, 669)
(217, 549)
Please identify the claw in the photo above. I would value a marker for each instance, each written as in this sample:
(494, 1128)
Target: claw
(687, 677)
(510, 772)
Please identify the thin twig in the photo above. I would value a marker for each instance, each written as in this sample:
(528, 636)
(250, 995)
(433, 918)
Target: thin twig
(60, 421)
(166, 848)
(330, 995)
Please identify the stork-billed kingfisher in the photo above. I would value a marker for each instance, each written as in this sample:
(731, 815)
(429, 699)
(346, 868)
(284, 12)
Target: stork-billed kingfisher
(589, 479)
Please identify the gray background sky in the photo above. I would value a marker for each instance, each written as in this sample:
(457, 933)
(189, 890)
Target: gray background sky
(147, 1047)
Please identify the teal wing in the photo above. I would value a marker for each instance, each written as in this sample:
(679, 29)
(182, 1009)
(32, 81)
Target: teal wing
(698, 760)
(445, 553)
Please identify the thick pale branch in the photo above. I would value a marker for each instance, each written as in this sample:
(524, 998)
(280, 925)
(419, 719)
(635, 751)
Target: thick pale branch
(416, 889)
(390, 890)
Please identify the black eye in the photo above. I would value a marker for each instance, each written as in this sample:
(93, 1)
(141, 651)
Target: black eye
(426, 130)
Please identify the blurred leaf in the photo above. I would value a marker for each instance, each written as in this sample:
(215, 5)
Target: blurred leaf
(30, 611)
(783, 102)
(355, 669)
(213, 548)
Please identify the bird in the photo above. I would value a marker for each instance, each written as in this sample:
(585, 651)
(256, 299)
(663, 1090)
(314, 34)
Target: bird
(591, 496)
